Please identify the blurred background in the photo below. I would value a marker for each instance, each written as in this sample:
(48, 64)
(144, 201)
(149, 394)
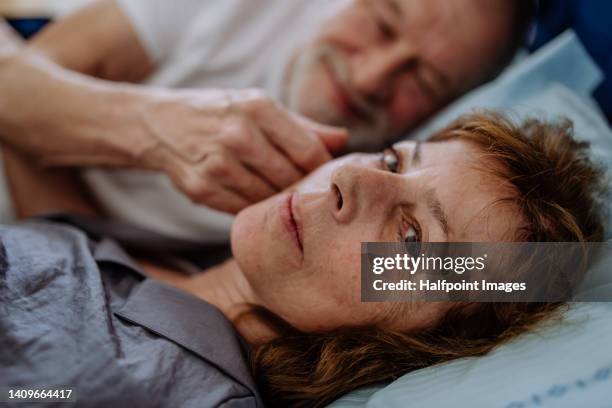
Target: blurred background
(28, 16)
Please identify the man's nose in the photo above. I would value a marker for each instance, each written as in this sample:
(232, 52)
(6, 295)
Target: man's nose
(356, 192)
(374, 71)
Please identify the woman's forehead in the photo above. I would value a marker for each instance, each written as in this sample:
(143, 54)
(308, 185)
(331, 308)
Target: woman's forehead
(475, 197)
(442, 153)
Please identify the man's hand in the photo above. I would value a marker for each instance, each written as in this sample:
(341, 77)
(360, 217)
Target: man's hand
(224, 149)
(228, 149)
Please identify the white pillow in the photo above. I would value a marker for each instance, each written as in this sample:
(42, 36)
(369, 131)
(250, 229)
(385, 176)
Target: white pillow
(565, 365)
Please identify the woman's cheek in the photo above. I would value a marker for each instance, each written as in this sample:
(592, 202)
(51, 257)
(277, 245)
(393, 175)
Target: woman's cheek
(251, 242)
(319, 179)
(342, 265)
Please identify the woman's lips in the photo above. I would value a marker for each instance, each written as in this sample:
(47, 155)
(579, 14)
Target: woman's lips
(291, 222)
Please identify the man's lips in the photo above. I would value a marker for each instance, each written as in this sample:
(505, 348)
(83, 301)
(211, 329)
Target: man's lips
(290, 219)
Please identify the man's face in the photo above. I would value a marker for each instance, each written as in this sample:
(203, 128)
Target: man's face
(378, 67)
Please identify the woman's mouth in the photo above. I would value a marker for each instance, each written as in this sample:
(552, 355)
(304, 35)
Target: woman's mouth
(290, 219)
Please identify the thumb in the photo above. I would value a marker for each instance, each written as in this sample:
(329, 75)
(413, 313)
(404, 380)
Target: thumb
(334, 138)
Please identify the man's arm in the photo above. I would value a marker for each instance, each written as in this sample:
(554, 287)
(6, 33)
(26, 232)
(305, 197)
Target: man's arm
(54, 113)
(36, 190)
(223, 148)
(97, 40)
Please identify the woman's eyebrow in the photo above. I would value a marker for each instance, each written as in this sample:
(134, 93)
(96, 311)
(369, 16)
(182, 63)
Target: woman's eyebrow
(433, 202)
(435, 208)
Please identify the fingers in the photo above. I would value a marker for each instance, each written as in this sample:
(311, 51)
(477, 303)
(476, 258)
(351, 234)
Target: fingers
(222, 177)
(258, 154)
(220, 198)
(249, 185)
(301, 145)
(202, 189)
(334, 138)
(218, 181)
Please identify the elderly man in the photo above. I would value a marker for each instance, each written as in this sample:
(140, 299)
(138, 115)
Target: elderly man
(95, 90)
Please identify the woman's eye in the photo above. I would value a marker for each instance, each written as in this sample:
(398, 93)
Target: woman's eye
(391, 160)
(411, 235)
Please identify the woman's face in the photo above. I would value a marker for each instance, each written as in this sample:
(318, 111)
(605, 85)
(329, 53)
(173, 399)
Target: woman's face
(300, 250)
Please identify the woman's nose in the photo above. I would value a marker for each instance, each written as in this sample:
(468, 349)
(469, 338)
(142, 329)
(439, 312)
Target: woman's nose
(374, 70)
(357, 191)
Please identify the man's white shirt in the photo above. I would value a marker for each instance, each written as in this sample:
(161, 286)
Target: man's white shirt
(202, 44)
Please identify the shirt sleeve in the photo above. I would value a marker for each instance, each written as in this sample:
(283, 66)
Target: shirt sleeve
(160, 24)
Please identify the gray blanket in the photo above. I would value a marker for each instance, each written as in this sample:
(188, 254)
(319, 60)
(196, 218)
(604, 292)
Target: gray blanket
(77, 313)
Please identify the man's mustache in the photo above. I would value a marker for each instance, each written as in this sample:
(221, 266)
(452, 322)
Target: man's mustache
(368, 111)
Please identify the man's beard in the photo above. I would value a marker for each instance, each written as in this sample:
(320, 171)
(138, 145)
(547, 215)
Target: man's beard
(369, 128)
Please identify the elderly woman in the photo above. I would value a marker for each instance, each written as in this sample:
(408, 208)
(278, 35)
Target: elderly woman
(79, 313)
